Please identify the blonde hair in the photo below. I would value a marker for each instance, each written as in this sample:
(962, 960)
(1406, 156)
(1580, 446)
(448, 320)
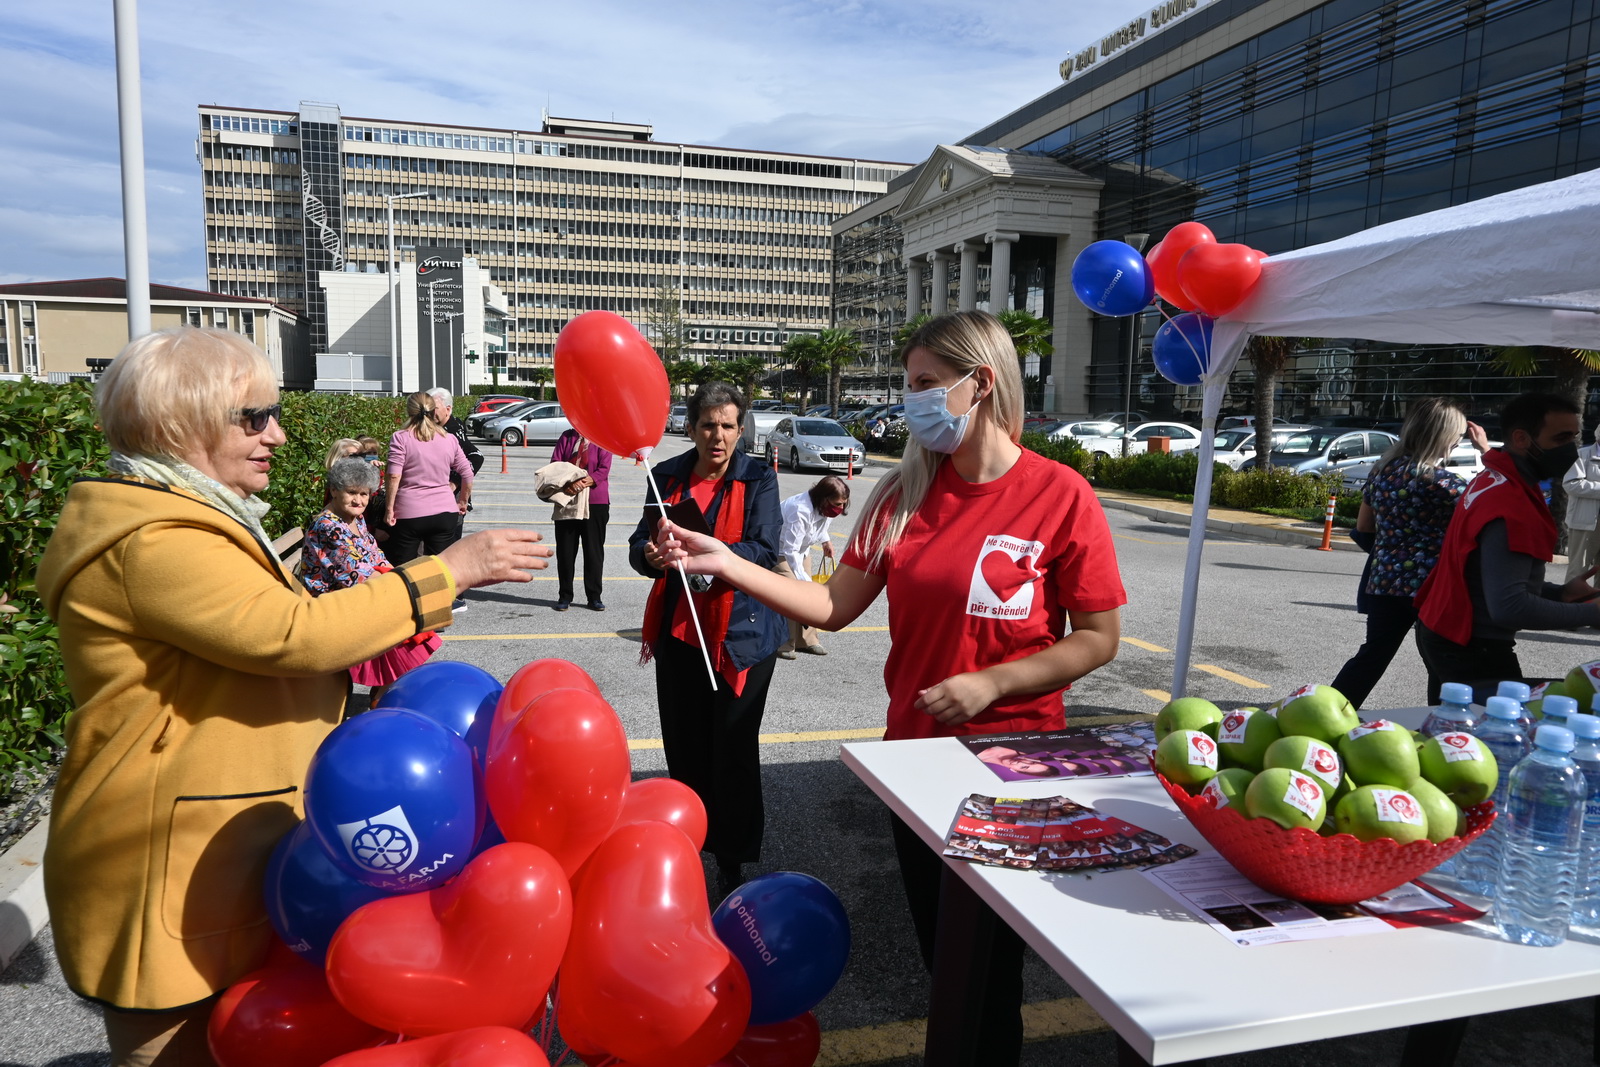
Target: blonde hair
(419, 416)
(175, 392)
(1431, 430)
(370, 446)
(966, 340)
(336, 451)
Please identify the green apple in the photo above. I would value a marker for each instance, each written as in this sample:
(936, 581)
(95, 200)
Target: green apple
(1307, 755)
(1582, 683)
(1228, 787)
(1535, 704)
(1244, 734)
(1287, 797)
(1187, 757)
(1186, 713)
(1461, 766)
(1445, 820)
(1375, 811)
(1319, 711)
(1380, 753)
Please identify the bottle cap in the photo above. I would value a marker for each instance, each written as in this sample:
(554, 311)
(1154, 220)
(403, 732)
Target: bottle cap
(1553, 738)
(1594, 702)
(1455, 693)
(1584, 726)
(1518, 691)
(1559, 707)
(1503, 707)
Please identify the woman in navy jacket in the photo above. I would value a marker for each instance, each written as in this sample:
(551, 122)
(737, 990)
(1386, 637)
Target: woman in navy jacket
(711, 737)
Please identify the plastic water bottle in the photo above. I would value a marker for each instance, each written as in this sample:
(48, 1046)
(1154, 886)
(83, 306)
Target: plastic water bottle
(1556, 709)
(1521, 693)
(1586, 754)
(1478, 866)
(1454, 713)
(1544, 835)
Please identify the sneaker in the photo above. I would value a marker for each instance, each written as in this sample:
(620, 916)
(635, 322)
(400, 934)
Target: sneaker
(459, 606)
(563, 605)
(597, 605)
(814, 650)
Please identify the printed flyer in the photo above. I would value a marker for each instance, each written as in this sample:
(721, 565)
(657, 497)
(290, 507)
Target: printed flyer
(1076, 752)
(1052, 834)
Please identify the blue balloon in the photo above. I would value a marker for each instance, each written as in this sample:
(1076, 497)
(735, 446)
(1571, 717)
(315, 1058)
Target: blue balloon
(1181, 349)
(454, 695)
(393, 797)
(793, 938)
(491, 836)
(1112, 278)
(308, 896)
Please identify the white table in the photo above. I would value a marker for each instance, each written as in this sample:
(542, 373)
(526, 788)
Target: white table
(1171, 988)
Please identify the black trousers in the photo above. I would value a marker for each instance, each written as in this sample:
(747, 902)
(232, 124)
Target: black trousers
(712, 745)
(426, 535)
(921, 870)
(589, 533)
(1389, 619)
(1481, 663)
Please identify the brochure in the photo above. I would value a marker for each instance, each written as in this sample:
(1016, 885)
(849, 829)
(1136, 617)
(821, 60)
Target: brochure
(1209, 887)
(1076, 752)
(1052, 834)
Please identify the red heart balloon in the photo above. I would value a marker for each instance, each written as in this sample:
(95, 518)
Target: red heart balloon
(1165, 257)
(794, 1042)
(534, 680)
(558, 774)
(612, 385)
(480, 950)
(1219, 277)
(666, 800)
(1006, 575)
(645, 977)
(481, 1046)
(283, 1015)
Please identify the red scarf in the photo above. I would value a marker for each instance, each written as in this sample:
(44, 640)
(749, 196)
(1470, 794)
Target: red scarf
(716, 605)
(1499, 492)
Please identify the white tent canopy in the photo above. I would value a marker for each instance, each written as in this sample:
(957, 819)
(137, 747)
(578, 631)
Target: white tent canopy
(1515, 269)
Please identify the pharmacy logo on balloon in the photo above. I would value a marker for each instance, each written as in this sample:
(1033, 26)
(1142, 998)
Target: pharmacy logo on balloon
(383, 844)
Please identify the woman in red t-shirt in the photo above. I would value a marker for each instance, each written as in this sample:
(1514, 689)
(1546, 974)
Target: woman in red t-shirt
(988, 552)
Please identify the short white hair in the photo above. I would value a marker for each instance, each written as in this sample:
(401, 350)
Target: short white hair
(441, 396)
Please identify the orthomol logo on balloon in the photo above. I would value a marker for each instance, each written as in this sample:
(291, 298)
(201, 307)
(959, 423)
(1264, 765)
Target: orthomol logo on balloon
(747, 919)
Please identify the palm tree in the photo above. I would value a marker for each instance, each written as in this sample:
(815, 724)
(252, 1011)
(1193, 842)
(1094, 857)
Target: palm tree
(681, 373)
(1030, 335)
(907, 328)
(835, 348)
(541, 375)
(1571, 368)
(1268, 356)
(804, 357)
(742, 372)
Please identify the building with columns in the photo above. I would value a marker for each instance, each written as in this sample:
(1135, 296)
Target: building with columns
(1277, 123)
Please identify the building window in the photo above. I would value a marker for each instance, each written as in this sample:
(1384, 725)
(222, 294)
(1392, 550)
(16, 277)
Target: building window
(247, 323)
(191, 317)
(219, 318)
(28, 316)
(5, 336)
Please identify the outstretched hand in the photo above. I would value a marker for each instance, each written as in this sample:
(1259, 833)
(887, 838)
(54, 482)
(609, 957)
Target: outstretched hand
(1580, 588)
(699, 553)
(495, 556)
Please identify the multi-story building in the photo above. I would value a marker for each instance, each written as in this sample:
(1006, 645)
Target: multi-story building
(728, 250)
(1278, 124)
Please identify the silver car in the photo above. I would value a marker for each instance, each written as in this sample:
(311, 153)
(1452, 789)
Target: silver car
(543, 422)
(478, 420)
(804, 442)
(678, 419)
(1326, 449)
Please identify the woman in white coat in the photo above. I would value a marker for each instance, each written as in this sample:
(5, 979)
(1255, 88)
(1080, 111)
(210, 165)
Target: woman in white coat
(1582, 484)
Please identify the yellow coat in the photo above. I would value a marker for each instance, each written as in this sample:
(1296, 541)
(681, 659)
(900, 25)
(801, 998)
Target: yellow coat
(205, 676)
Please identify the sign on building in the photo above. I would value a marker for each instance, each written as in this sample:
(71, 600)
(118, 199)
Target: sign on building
(440, 322)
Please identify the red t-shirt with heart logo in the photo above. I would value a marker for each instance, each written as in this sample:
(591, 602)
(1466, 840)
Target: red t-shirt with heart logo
(986, 574)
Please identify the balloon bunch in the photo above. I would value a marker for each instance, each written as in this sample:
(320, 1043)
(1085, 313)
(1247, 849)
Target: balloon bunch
(476, 870)
(1187, 269)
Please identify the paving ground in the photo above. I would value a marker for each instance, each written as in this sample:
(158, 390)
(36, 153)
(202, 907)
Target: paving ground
(1275, 615)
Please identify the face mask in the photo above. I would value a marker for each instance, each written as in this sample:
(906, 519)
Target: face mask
(930, 423)
(1553, 462)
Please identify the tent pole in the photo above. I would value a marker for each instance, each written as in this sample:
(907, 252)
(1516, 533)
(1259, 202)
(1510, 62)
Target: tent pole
(1216, 385)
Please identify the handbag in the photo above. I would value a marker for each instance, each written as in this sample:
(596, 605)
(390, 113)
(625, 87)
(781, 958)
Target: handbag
(823, 572)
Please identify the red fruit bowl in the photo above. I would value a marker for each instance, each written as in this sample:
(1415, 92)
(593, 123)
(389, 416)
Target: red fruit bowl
(1304, 865)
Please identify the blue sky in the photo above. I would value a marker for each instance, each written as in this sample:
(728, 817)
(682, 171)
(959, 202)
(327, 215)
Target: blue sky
(878, 80)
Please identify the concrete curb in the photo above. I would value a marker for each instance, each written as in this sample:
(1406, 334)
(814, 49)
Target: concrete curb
(1257, 531)
(22, 909)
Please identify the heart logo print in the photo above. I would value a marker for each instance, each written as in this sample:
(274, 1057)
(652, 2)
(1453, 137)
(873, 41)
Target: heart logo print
(1456, 740)
(1006, 575)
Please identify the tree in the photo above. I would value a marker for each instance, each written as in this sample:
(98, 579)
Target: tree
(835, 348)
(742, 372)
(682, 373)
(663, 322)
(804, 357)
(1031, 336)
(1571, 368)
(541, 375)
(907, 328)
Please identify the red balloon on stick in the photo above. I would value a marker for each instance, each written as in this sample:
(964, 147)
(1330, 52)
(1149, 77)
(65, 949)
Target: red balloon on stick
(1165, 257)
(480, 950)
(533, 680)
(645, 977)
(1218, 277)
(794, 1042)
(283, 1015)
(481, 1046)
(558, 773)
(612, 385)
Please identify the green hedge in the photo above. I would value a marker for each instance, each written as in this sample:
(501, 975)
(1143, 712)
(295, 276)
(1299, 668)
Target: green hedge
(1065, 450)
(1274, 487)
(312, 422)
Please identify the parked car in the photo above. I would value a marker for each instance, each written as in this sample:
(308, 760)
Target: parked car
(1326, 448)
(678, 419)
(478, 421)
(543, 422)
(1235, 445)
(493, 401)
(804, 442)
(891, 419)
(1083, 430)
(1122, 418)
(757, 425)
(862, 415)
(1464, 460)
(1246, 422)
(1181, 439)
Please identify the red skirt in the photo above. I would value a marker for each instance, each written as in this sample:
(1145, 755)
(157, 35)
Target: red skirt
(385, 668)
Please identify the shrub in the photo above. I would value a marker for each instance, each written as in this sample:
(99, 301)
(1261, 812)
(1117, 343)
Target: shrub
(1063, 450)
(1274, 487)
(892, 443)
(312, 422)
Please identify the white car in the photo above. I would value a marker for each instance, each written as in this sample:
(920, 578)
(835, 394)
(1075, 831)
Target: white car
(1464, 460)
(1182, 439)
(542, 423)
(1236, 444)
(1082, 431)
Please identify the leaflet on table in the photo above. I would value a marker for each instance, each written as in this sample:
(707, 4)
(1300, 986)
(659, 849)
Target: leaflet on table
(1076, 752)
(1244, 913)
(1052, 833)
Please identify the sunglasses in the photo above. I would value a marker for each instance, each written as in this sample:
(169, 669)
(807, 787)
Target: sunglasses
(257, 418)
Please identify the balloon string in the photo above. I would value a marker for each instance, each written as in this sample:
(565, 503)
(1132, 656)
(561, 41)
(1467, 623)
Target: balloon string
(549, 1028)
(694, 615)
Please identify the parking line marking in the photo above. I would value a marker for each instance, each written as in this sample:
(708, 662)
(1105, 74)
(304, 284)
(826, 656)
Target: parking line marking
(1146, 645)
(615, 633)
(1158, 694)
(906, 1038)
(1238, 679)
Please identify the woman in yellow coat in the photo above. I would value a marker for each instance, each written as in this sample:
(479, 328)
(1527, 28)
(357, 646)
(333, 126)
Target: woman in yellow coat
(205, 676)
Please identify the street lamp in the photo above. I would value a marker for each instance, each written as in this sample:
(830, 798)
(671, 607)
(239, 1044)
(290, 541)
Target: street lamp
(394, 342)
(1138, 241)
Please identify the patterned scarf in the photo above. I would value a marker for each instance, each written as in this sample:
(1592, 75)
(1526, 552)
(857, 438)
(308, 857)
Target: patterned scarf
(716, 605)
(179, 475)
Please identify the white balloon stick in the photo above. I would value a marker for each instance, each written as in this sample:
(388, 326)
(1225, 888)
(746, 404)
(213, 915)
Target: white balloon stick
(684, 573)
